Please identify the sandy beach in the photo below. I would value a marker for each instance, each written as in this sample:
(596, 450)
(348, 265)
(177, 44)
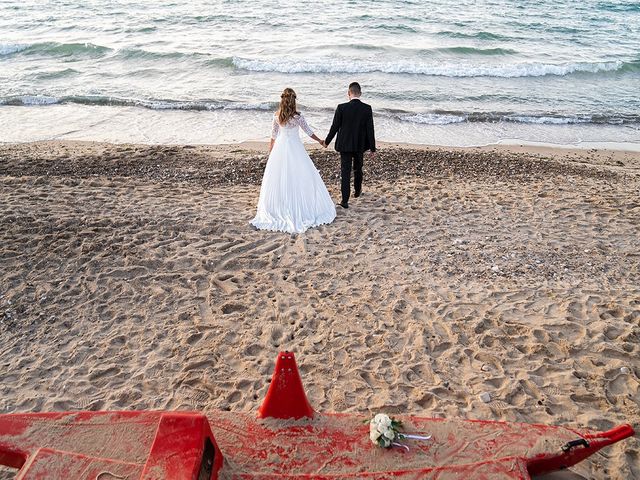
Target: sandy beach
(131, 279)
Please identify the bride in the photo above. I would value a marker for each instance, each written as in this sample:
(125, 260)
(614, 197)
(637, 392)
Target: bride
(293, 196)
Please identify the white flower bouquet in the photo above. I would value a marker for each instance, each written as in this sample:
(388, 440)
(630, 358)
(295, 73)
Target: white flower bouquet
(384, 431)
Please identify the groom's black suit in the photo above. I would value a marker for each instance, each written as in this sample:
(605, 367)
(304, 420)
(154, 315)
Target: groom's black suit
(353, 122)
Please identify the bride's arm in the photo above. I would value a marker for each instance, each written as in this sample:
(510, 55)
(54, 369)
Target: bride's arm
(307, 129)
(275, 128)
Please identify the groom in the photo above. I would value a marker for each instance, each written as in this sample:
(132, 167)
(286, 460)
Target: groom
(353, 122)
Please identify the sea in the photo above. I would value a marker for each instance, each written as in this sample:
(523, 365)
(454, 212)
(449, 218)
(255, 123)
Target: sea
(447, 72)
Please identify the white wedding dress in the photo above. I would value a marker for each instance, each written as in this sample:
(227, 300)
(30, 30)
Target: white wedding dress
(293, 196)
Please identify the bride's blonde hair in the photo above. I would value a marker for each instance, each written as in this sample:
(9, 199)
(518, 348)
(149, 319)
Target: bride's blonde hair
(287, 108)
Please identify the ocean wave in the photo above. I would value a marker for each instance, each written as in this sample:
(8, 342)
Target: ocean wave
(404, 52)
(477, 51)
(435, 117)
(57, 49)
(286, 65)
(29, 100)
(400, 65)
(633, 66)
(619, 7)
(140, 53)
(475, 35)
(153, 104)
(394, 28)
(442, 117)
(11, 48)
(145, 29)
(55, 74)
(54, 49)
(551, 120)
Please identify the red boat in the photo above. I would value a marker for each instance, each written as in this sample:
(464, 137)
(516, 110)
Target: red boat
(286, 440)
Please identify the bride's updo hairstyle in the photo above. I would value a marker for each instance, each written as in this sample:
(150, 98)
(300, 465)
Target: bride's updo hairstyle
(287, 108)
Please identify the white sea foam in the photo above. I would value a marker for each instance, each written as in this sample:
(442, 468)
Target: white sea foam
(493, 117)
(27, 100)
(546, 120)
(288, 65)
(434, 118)
(30, 100)
(10, 48)
(194, 105)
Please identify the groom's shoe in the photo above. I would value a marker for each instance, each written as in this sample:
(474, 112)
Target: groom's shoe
(357, 194)
(343, 204)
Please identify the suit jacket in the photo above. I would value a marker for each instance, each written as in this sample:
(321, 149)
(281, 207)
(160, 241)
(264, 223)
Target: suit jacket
(353, 122)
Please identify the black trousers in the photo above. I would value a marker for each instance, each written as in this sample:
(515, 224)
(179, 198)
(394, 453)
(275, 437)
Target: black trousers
(347, 159)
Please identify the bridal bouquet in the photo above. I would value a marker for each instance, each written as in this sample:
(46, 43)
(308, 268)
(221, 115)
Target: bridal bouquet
(384, 431)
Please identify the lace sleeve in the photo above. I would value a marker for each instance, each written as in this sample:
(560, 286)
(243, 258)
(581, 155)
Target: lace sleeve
(275, 128)
(304, 125)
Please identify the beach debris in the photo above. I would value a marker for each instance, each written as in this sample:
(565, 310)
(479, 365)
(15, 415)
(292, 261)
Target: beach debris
(625, 370)
(485, 397)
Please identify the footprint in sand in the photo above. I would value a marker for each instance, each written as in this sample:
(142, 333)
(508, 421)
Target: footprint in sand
(551, 391)
(612, 332)
(616, 312)
(275, 333)
(82, 403)
(622, 387)
(198, 398)
(193, 338)
(425, 400)
(496, 382)
(499, 407)
(98, 376)
(229, 308)
(253, 350)
(338, 401)
(234, 397)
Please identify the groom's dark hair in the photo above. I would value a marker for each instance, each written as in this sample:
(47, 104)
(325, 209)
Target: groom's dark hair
(355, 89)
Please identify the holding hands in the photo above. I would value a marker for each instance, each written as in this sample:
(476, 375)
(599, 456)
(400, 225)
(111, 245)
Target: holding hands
(319, 140)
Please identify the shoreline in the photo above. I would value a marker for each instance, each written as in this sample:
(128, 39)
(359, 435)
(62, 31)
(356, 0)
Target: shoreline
(120, 124)
(617, 148)
(598, 156)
